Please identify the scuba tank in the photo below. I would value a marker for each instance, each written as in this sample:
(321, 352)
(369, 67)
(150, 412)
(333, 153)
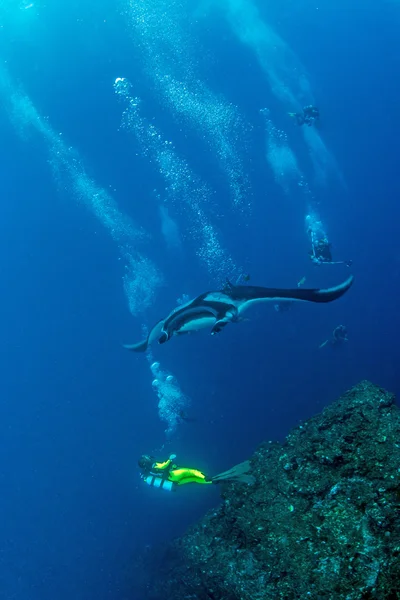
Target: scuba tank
(158, 482)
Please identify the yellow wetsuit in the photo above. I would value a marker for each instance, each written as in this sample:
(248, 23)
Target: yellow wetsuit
(180, 475)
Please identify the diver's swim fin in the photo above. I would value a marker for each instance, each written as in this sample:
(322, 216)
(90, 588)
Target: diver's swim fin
(240, 472)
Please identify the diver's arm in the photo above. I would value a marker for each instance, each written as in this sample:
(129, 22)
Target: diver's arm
(161, 466)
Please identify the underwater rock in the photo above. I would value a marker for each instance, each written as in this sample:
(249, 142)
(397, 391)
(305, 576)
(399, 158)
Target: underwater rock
(321, 521)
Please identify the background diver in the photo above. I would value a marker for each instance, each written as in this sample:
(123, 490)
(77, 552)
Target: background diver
(339, 335)
(321, 254)
(185, 418)
(308, 116)
(169, 476)
(321, 251)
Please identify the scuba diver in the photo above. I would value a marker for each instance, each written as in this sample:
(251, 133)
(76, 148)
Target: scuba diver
(321, 248)
(321, 251)
(185, 418)
(339, 335)
(169, 476)
(309, 116)
(321, 254)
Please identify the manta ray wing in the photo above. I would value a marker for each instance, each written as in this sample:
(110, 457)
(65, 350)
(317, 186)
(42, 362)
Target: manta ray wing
(323, 295)
(245, 296)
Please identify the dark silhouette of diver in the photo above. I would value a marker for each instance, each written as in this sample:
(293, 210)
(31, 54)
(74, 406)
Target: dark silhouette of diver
(185, 418)
(339, 336)
(308, 116)
(321, 254)
(321, 251)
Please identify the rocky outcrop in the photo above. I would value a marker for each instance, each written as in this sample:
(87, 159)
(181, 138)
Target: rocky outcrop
(321, 521)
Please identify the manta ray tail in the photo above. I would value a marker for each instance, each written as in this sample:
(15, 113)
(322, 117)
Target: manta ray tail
(139, 347)
(144, 344)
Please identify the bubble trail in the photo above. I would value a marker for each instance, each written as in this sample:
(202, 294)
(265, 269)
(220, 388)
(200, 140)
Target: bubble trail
(184, 190)
(172, 402)
(287, 173)
(160, 30)
(286, 76)
(142, 278)
(280, 156)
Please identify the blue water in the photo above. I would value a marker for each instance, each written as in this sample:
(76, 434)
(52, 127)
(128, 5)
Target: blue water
(77, 410)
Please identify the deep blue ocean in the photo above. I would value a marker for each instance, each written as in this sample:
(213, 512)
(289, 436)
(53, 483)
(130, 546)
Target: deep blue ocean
(120, 196)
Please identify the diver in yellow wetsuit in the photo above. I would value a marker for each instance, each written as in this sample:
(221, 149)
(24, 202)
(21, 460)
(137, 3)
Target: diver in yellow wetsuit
(169, 476)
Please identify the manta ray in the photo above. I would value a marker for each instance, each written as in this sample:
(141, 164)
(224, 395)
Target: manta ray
(216, 309)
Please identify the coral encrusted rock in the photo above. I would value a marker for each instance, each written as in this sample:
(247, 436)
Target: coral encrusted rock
(321, 521)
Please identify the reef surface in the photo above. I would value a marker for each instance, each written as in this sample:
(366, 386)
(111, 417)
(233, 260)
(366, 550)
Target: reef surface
(321, 521)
